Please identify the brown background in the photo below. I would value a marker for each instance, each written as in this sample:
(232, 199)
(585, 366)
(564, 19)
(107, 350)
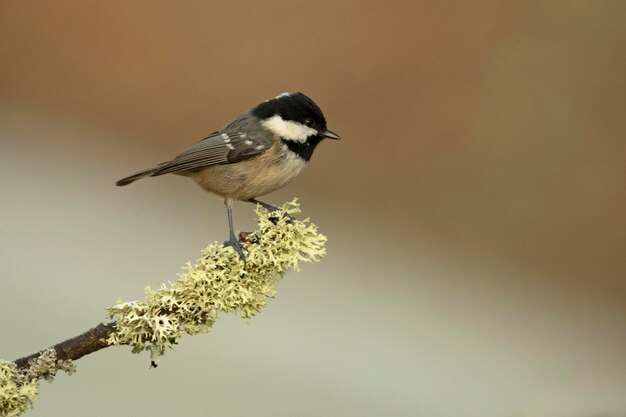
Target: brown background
(475, 208)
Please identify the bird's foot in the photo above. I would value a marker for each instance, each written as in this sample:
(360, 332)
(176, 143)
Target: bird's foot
(237, 246)
(274, 219)
(272, 209)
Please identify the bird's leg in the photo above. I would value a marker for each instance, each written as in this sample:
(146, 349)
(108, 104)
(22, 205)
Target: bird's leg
(232, 241)
(265, 205)
(270, 208)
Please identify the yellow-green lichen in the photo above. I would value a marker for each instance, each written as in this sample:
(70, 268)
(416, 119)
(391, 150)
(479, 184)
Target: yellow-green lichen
(16, 394)
(19, 388)
(219, 282)
(45, 366)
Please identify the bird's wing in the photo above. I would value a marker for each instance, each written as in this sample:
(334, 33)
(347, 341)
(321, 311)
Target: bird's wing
(232, 144)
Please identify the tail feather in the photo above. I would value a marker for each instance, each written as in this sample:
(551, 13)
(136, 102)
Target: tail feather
(141, 174)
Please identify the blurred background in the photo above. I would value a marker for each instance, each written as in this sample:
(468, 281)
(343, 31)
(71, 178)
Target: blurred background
(475, 208)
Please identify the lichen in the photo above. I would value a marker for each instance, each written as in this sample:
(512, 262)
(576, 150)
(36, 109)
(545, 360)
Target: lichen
(19, 387)
(45, 366)
(219, 282)
(16, 394)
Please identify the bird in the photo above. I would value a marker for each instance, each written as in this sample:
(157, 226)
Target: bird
(258, 152)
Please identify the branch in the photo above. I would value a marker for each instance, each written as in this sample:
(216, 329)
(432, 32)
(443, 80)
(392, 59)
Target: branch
(75, 348)
(219, 282)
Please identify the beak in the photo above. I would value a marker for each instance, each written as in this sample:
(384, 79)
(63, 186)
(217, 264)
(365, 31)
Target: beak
(331, 135)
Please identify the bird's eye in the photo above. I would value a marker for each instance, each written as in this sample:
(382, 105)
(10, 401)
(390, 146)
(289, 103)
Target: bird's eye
(308, 122)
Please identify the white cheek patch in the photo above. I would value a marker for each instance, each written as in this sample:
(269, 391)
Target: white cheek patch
(288, 129)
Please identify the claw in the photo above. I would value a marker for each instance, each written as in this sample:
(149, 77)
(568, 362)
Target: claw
(237, 246)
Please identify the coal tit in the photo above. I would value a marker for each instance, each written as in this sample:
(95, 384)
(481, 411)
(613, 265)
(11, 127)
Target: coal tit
(258, 152)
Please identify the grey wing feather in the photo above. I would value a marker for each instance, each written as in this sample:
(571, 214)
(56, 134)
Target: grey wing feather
(239, 140)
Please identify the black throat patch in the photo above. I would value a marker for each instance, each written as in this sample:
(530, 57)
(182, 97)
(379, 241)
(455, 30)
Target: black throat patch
(303, 149)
